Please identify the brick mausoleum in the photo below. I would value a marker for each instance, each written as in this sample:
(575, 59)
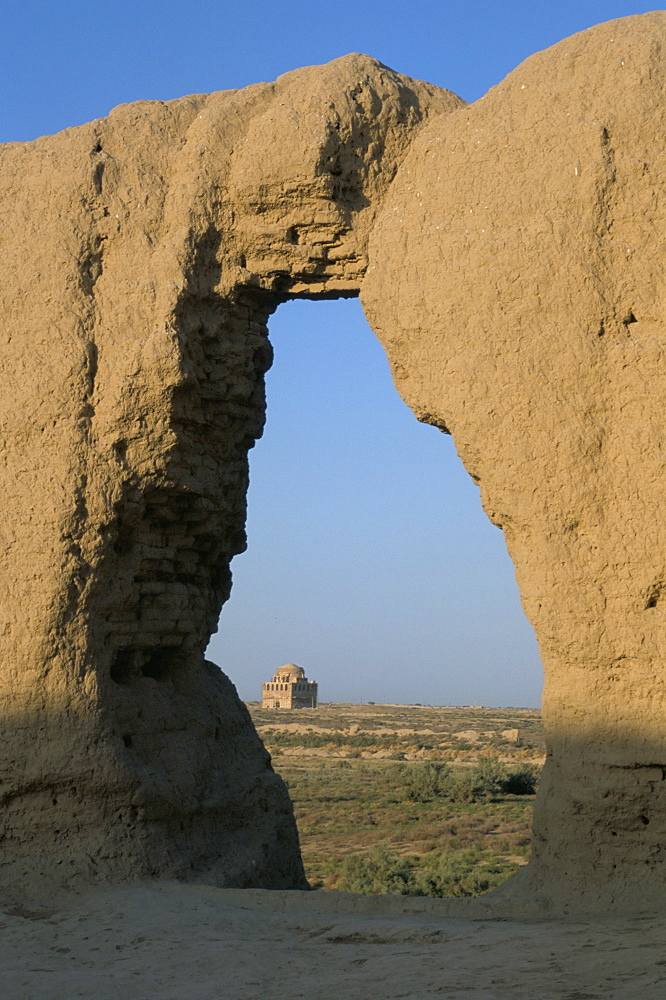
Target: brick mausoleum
(290, 688)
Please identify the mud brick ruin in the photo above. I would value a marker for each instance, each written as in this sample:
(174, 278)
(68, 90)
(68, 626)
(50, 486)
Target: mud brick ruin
(508, 256)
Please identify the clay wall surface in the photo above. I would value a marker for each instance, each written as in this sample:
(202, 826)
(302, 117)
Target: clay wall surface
(140, 258)
(516, 280)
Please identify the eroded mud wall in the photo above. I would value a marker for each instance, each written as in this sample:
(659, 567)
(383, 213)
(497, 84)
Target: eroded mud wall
(140, 257)
(516, 280)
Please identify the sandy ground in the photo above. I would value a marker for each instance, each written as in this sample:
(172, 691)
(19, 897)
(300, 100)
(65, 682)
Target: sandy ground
(183, 942)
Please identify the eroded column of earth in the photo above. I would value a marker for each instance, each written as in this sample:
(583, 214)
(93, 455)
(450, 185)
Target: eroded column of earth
(140, 257)
(516, 279)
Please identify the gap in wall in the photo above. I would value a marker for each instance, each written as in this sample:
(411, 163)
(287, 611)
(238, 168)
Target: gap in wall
(370, 562)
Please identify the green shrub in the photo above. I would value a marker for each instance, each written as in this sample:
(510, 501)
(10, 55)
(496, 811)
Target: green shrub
(462, 787)
(470, 873)
(488, 777)
(425, 782)
(521, 782)
(461, 874)
(379, 871)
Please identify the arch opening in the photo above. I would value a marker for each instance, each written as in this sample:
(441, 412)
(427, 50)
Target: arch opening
(370, 561)
(359, 513)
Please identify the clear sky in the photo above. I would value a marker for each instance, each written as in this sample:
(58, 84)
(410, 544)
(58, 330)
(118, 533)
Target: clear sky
(370, 562)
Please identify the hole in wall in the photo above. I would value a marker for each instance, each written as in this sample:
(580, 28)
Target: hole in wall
(161, 663)
(653, 596)
(122, 667)
(370, 562)
(119, 449)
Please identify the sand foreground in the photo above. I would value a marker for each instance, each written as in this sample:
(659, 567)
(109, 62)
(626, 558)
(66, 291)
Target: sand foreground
(173, 941)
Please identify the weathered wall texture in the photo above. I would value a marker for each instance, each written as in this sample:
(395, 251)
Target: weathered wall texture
(517, 283)
(140, 257)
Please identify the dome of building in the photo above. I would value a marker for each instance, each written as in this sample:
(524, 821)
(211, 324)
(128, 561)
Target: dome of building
(290, 670)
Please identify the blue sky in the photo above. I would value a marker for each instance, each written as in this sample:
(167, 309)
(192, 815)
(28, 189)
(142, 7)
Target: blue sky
(370, 562)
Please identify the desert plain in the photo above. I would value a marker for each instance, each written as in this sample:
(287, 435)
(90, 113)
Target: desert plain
(414, 799)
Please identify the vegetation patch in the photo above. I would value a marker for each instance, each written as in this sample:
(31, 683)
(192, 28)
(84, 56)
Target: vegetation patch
(383, 806)
(462, 873)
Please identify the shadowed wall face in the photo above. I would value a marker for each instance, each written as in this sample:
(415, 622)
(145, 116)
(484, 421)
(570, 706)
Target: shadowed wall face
(516, 281)
(141, 257)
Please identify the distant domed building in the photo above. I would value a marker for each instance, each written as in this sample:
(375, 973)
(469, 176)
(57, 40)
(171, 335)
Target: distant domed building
(290, 688)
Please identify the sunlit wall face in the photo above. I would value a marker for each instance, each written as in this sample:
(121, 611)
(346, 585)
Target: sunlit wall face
(370, 561)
